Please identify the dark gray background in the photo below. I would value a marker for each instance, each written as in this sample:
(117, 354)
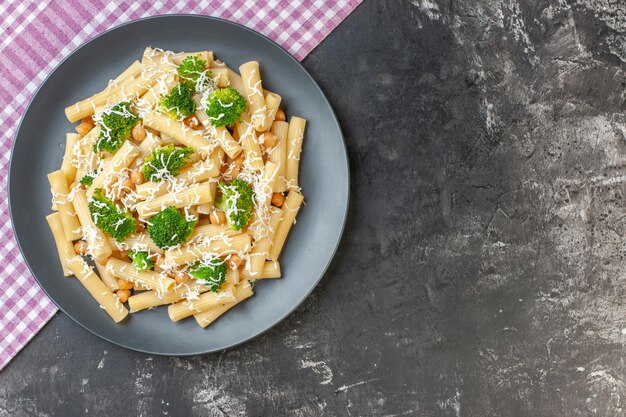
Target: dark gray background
(482, 268)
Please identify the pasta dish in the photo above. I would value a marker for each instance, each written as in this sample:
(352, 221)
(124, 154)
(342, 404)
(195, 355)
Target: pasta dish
(179, 186)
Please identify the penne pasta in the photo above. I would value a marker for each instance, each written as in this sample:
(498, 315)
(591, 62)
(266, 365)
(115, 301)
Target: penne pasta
(260, 251)
(178, 131)
(125, 155)
(96, 240)
(64, 247)
(219, 247)
(241, 292)
(290, 210)
(272, 102)
(98, 290)
(195, 194)
(150, 279)
(294, 146)
(187, 308)
(278, 155)
(71, 225)
(251, 76)
(69, 166)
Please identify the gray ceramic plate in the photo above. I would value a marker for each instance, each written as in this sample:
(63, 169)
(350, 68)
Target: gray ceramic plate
(39, 148)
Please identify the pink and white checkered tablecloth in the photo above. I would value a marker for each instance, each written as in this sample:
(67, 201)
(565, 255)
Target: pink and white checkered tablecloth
(36, 35)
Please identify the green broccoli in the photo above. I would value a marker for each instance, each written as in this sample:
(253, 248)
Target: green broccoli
(224, 107)
(169, 228)
(211, 272)
(115, 124)
(118, 223)
(236, 200)
(193, 70)
(87, 179)
(178, 102)
(165, 162)
(141, 260)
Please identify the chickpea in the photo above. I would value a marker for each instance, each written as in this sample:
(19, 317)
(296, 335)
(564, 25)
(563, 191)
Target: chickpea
(136, 176)
(128, 183)
(138, 132)
(234, 261)
(83, 128)
(81, 247)
(192, 122)
(140, 227)
(124, 285)
(217, 217)
(269, 140)
(280, 115)
(239, 160)
(123, 295)
(278, 199)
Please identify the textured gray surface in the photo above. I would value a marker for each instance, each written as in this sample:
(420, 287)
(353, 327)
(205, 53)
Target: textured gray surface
(481, 273)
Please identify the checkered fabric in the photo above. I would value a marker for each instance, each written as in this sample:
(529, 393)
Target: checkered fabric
(36, 35)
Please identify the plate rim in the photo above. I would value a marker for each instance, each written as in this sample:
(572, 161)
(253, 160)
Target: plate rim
(265, 328)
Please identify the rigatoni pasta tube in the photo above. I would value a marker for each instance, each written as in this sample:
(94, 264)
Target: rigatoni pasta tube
(126, 271)
(272, 102)
(124, 156)
(199, 171)
(98, 289)
(140, 242)
(242, 291)
(68, 166)
(187, 308)
(96, 240)
(268, 178)
(290, 208)
(195, 252)
(251, 77)
(193, 195)
(232, 276)
(220, 74)
(278, 155)
(235, 81)
(251, 149)
(71, 225)
(227, 143)
(106, 277)
(86, 107)
(162, 87)
(64, 247)
(151, 299)
(294, 146)
(206, 56)
(211, 231)
(271, 269)
(178, 131)
(260, 251)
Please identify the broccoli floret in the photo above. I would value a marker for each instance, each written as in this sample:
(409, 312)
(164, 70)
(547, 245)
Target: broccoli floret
(193, 69)
(236, 200)
(87, 179)
(115, 126)
(178, 102)
(118, 223)
(165, 162)
(141, 260)
(169, 228)
(224, 107)
(211, 273)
